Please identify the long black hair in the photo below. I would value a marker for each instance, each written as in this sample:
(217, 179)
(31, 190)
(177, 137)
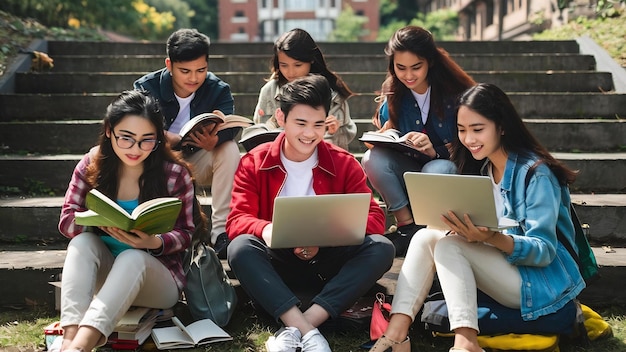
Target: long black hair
(491, 102)
(299, 45)
(445, 76)
(103, 171)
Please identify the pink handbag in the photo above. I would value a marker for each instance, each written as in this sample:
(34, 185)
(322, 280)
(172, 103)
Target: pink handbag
(380, 317)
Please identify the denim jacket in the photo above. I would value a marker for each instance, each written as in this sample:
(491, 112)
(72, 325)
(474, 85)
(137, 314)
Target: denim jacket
(440, 131)
(550, 276)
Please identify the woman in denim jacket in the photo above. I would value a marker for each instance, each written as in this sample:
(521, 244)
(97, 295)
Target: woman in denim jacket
(418, 99)
(524, 268)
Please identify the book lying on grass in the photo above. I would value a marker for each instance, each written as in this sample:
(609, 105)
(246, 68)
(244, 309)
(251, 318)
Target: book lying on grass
(196, 334)
(393, 138)
(153, 216)
(205, 119)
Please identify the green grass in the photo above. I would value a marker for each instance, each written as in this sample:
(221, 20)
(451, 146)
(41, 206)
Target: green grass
(609, 33)
(22, 330)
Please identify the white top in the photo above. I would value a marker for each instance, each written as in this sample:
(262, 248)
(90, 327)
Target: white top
(184, 113)
(299, 180)
(423, 102)
(497, 195)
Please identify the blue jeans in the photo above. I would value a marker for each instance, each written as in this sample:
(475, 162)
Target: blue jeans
(339, 275)
(385, 168)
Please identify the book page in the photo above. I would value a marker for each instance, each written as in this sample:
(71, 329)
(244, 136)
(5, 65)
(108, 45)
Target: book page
(155, 203)
(206, 330)
(235, 121)
(94, 193)
(199, 120)
(171, 337)
(133, 316)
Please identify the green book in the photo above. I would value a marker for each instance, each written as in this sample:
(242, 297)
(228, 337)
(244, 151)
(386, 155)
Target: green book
(152, 217)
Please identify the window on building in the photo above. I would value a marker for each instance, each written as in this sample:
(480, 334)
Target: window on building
(359, 13)
(319, 29)
(300, 5)
(489, 16)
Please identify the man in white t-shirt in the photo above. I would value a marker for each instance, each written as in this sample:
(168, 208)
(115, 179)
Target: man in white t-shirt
(184, 89)
(299, 162)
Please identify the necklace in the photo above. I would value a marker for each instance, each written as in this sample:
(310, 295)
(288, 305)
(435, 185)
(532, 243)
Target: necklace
(424, 111)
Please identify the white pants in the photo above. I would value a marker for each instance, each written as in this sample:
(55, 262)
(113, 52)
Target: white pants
(217, 169)
(462, 267)
(97, 288)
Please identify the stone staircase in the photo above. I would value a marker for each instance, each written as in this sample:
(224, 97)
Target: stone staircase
(48, 120)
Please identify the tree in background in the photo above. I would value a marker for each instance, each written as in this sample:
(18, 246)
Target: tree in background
(206, 18)
(129, 17)
(179, 9)
(348, 27)
(397, 10)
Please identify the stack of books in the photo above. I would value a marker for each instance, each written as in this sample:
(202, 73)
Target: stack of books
(135, 327)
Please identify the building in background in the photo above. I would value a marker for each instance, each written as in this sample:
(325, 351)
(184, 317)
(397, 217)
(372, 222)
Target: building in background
(265, 20)
(508, 19)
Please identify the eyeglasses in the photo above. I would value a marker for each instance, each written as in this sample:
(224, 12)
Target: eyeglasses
(125, 142)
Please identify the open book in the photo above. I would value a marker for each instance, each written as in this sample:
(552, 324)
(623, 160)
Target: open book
(208, 118)
(199, 333)
(257, 134)
(392, 138)
(153, 216)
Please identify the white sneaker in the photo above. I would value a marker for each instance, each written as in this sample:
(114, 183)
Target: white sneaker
(286, 339)
(313, 341)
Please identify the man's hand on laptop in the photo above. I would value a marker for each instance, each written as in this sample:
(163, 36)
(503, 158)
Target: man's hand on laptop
(306, 253)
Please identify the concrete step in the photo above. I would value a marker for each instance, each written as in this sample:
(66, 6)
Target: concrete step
(30, 269)
(264, 48)
(51, 173)
(559, 135)
(338, 63)
(564, 135)
(361, 82)
(33, 220)
(93, 105)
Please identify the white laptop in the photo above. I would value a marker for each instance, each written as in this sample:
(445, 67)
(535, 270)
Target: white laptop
(328, 220)
(433, 195)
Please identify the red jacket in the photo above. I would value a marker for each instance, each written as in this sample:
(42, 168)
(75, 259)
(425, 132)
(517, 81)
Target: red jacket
(261, 175)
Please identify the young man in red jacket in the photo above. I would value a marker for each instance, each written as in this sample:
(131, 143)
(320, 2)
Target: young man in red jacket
(298, 163)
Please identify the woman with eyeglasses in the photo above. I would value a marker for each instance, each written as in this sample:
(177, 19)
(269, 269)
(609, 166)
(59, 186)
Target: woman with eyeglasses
(107, 270)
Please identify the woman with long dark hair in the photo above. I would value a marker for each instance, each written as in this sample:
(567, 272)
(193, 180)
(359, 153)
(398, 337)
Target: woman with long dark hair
(524, 267)
(107, 269)
(418, 99)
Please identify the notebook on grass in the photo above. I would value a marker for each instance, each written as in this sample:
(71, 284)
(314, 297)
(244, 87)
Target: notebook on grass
(433, 195)
(328, 220)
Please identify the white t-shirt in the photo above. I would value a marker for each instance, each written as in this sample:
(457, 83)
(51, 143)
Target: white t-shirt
(184, 113)
(497, 195)
(423, 102)
(299, 180)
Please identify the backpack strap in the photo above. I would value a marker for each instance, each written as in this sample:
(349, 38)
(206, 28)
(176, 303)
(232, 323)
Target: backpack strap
(559, 235)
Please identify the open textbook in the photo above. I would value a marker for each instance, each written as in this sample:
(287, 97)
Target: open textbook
(394, 139)
(152, 217)
(196, 334)
(204, 119)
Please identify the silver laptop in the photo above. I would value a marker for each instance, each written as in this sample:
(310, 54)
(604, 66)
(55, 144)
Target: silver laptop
(433, 195)
(328, 220)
